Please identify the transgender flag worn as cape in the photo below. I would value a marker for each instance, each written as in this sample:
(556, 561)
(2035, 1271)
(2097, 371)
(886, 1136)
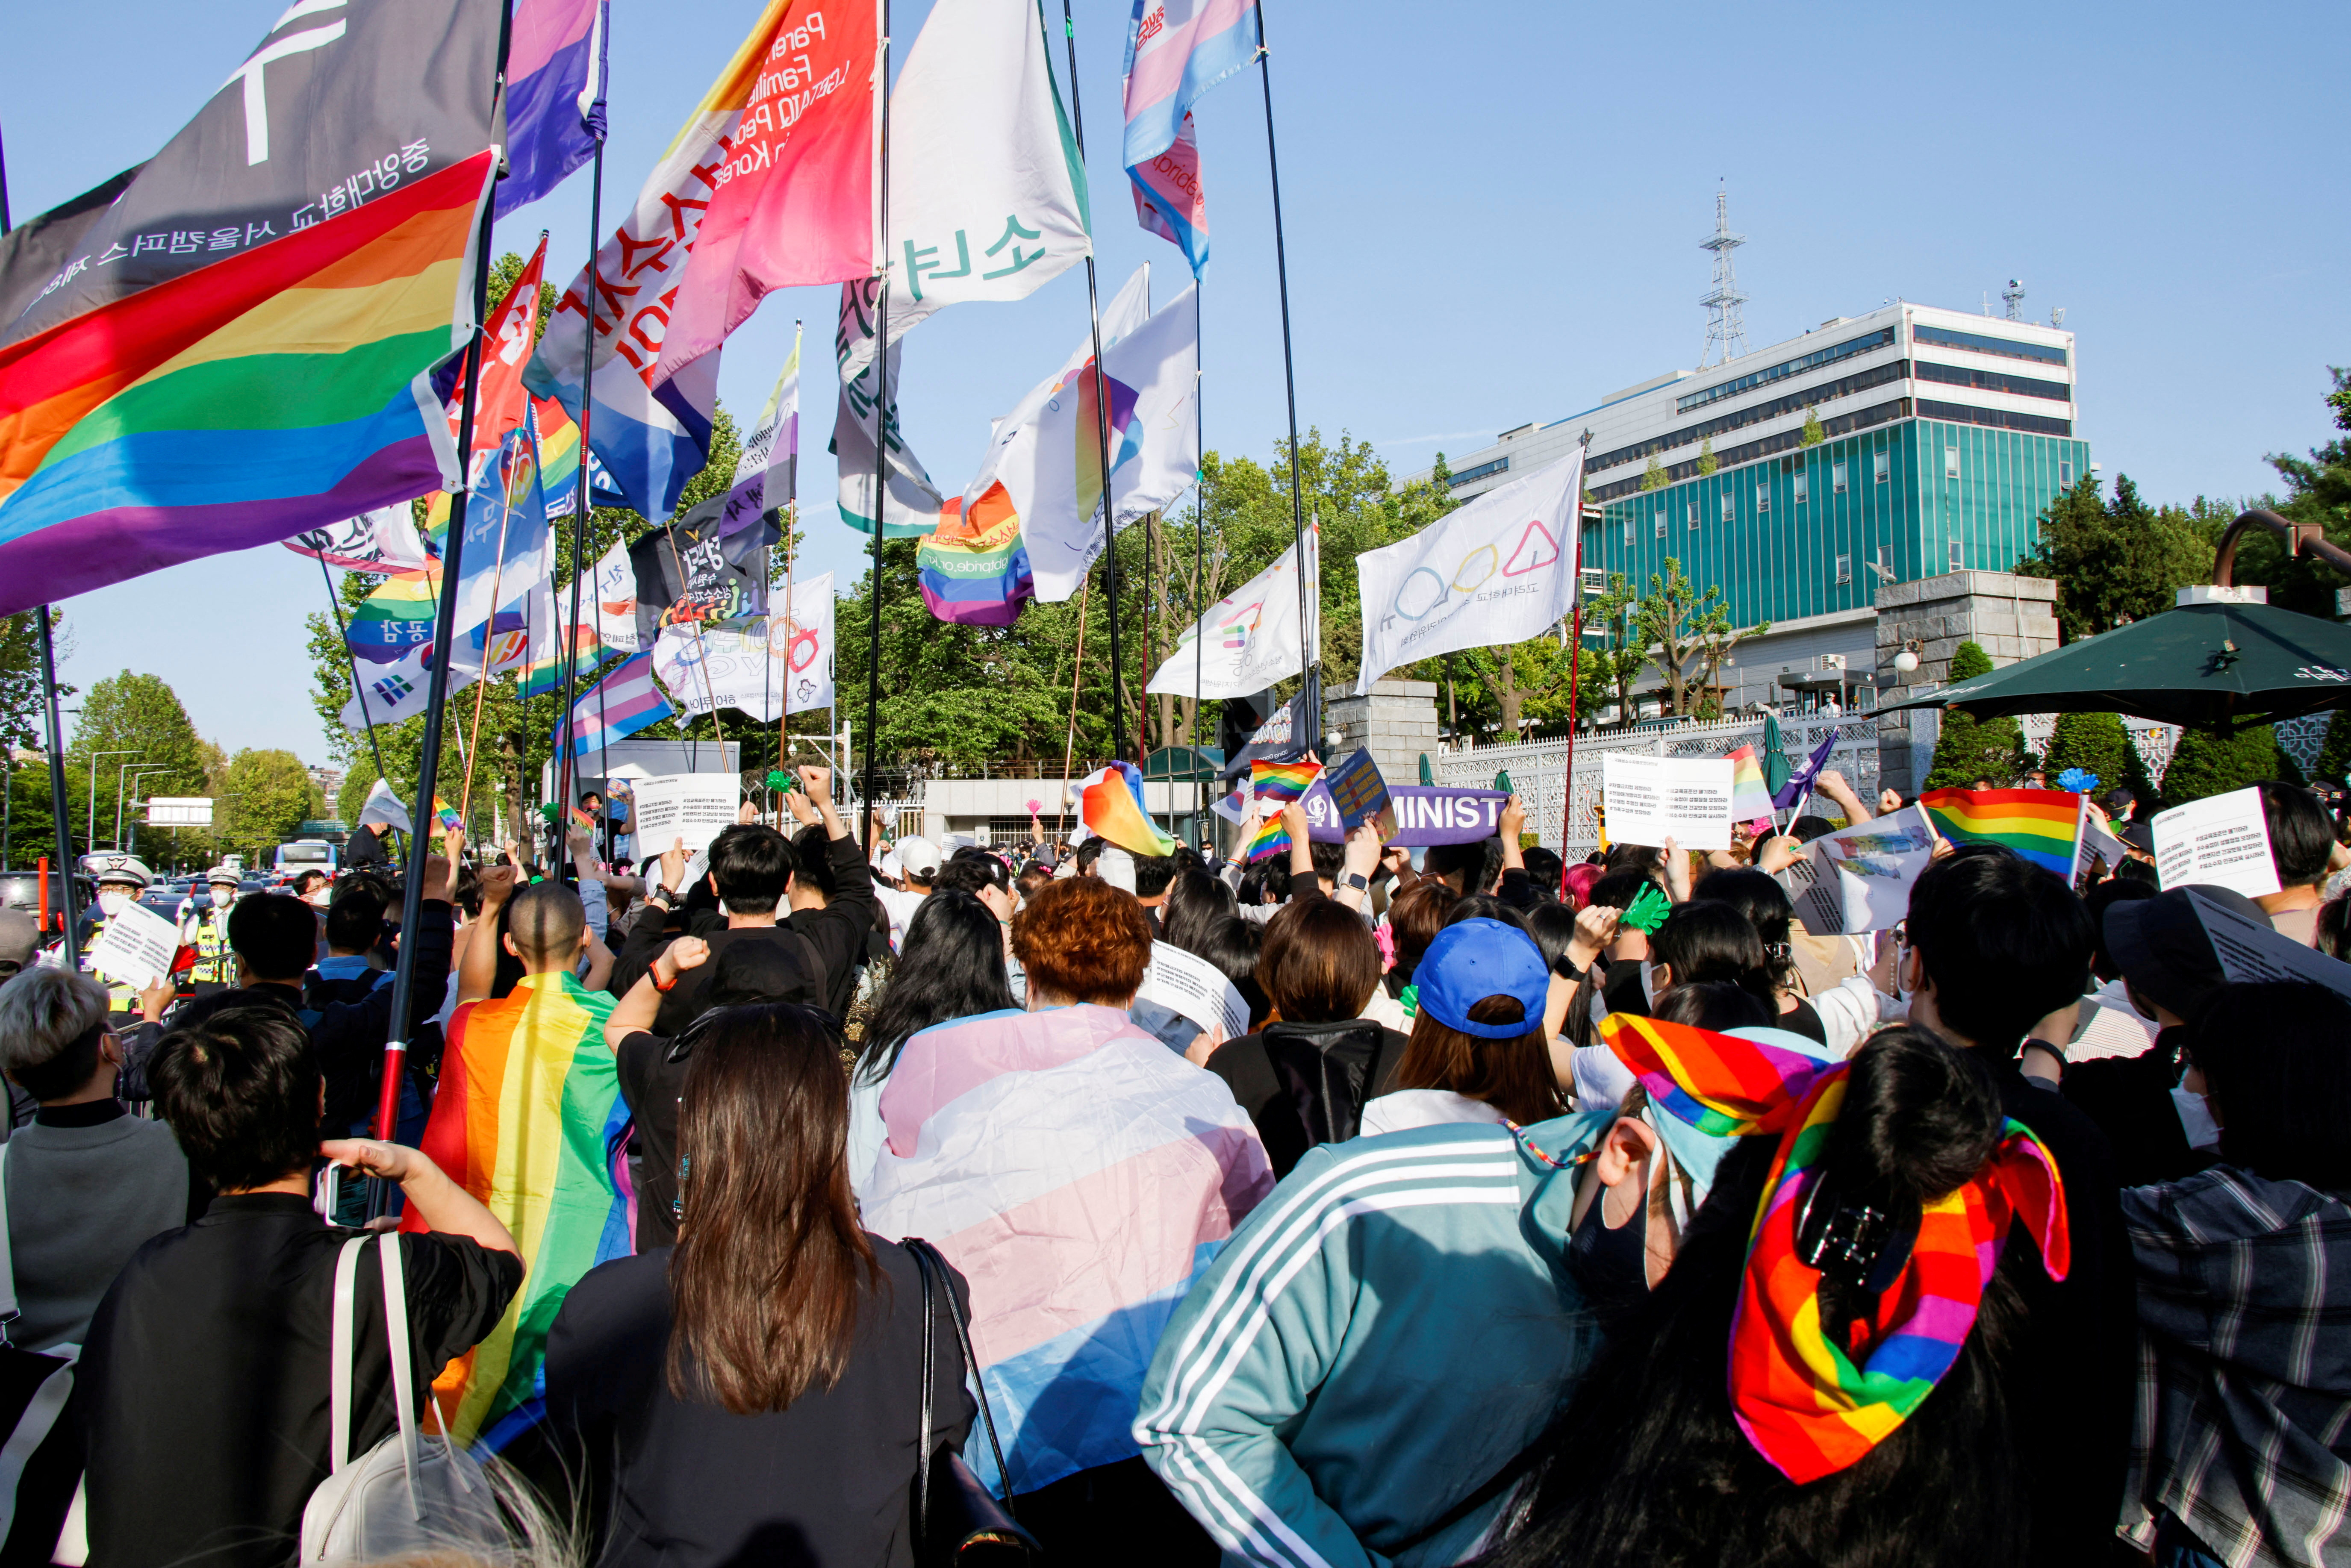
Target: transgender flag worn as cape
(529, 1120)
(1079, 1174)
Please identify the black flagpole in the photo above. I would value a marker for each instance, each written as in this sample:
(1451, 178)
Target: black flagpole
(436, 700)
(1290, 385)
(881, 437)
(62, 821)
(567, 758)
(1101, 427)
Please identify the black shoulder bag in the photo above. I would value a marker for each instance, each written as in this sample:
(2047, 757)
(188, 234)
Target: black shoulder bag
(957, 1522)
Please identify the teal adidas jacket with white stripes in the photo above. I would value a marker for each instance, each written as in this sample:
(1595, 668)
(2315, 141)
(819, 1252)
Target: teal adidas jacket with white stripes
(1384, 1335)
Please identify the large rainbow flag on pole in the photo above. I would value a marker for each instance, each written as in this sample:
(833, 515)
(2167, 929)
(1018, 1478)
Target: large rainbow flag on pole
(528, 1118)
(974, 570)
(2041, 825)
(1110, 804)
(283, 388)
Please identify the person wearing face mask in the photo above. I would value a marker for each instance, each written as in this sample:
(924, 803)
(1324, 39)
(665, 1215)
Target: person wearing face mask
(207, 931)
(120, 880)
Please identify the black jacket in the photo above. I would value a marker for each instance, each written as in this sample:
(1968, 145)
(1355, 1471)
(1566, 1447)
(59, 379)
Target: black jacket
(840, 932)
(347, 1037)
(1305, 1083)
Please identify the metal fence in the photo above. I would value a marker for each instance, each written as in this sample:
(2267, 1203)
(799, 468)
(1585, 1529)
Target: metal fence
(1538, 771)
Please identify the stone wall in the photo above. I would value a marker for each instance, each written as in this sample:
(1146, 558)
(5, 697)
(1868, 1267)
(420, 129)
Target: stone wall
(1397, 722)
(2010, 617)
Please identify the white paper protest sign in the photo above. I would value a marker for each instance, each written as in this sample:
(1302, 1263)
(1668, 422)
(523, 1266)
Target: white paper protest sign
(2251, 952)
(136, 948)
(1652, 798)
(2095, 843)
(1858, 879)
(689, 806)
(1187, 984)
(2221, 841)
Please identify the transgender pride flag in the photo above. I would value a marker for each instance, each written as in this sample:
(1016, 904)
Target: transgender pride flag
(618, 706)
(1079, 1174)
(1176, 50)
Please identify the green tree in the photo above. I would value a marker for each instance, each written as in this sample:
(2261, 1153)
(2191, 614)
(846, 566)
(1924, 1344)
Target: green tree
(2093, 742)
(135, 720)
(2318, 490)
(1706, 460)
(2206, 764)
(267, 795)
(1973, 749)
(2335, 753)
(1813, 434)
(1687, 634)
(2115, 561)
(24, 718)
(1653, 477)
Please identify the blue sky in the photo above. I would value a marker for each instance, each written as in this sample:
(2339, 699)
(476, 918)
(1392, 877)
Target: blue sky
(1492, 215)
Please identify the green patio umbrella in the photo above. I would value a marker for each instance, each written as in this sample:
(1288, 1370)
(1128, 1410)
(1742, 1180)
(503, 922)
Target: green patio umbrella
(2203, 667)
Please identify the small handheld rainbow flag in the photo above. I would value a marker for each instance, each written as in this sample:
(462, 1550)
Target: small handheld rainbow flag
(1751, 796)
(580, 819)
(447, 814)
(1270, 840)
(2041, 825)
(1283, 781)
(1110, 806)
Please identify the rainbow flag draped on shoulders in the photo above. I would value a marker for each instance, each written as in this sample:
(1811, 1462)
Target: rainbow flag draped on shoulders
(530, 1119)
(1079, 1175)
(2041, 825)
(283, 388)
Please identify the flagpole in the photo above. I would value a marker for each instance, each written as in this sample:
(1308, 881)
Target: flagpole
(1102, 426)
(1199, 560)
(436, 699)
(359, 689)
(1290, 386)
(565, 771)
(880, 424)
(1574, 679)
(1077, 671)
(791, 523)
(489, 636)
(59, 810)
(701, 653)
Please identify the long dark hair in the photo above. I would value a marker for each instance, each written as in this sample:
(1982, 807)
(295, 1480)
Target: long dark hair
(1195, 902)
(951, 967)
(1705, 940)
(1757, 895)
(770, 1262)
(1647, 1465)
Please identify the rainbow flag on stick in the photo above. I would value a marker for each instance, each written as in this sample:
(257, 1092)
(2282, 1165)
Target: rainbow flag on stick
(446, 814)
(530, 1119)
(284, 388)
(1271, 839)
(1750, 797)
(1109, 804)
(2041, 825)
(1283, 781)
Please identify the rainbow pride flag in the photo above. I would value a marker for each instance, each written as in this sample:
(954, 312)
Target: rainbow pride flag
(1283, 781)
(1724, 1086)
(1109, 804)
(284, 388)
(397, 616)
(1751, 796)
(2041, 825)
(544, 672)
(974, 570)
(446, 814)
(1271, 839)
(530, 1119)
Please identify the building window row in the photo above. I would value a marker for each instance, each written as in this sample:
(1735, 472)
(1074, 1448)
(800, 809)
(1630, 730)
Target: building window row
(1998, 418)
(1471, 475)
(1782, 370)
(1984, 344)
(1755, 413)
(1747, 451)
(1993, 381)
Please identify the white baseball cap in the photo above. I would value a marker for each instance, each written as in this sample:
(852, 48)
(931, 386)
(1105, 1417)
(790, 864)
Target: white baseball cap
(918, 858)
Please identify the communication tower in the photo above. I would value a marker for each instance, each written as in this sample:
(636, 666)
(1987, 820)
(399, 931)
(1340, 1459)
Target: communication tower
(2014, 297)
(1726, 325)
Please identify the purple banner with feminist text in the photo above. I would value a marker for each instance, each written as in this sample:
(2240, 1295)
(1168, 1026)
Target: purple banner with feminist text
(1424, 815)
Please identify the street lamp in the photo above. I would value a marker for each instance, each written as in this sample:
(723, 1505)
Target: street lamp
(136, 775)
(90, 840)
(121, 775)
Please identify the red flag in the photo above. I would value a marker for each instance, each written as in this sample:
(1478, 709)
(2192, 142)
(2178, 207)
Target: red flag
(793, 201)
(505, 349)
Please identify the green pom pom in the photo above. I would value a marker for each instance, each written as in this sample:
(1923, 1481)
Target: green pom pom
(779, 780)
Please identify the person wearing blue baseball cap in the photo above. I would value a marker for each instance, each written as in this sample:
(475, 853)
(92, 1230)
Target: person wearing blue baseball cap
(1477, 1052)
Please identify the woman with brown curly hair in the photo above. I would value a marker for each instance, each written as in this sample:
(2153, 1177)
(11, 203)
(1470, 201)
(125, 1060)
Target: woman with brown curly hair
(756, 1390)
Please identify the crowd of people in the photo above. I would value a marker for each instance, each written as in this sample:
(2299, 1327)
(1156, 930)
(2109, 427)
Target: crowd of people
(800, 1200)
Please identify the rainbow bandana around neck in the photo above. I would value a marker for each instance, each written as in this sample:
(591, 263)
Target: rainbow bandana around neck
(1723, 1086)
(1800, 1400)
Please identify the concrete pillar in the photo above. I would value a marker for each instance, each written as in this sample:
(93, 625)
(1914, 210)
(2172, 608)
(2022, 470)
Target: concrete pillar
(1397, 722)
(2008, 616)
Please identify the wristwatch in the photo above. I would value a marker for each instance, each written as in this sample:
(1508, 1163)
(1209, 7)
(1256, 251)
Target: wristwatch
(1356, 882)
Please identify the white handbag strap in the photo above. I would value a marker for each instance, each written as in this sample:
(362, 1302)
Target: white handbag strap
(394, 1270)
(344, 1347)
(7, 1258)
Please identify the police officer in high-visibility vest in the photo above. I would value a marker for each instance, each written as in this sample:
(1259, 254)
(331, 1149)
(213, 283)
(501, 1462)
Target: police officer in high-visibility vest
(121, 878)
(207, 930)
